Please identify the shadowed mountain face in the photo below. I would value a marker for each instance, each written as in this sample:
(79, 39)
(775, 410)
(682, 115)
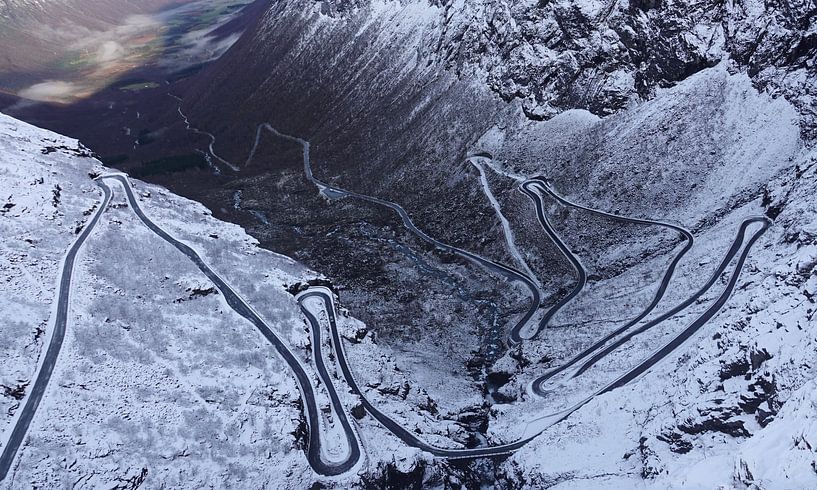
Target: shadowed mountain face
(387, 107)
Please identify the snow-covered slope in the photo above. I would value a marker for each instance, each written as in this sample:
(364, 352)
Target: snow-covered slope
(705, 154)
(155, 372)
(158, 380)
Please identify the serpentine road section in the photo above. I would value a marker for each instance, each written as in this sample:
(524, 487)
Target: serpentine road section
(730, 255)
(59, 319)
(713, 309)
(526, 278)
(527, 188)
(543, 185)
(404, 434)
(490, 265)
(539, 424)
(533, 188)
(314, 451)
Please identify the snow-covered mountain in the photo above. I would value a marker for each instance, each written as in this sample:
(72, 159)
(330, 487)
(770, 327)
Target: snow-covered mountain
(159, 382)
(392, 146)
(685, 113)
(155, 371)
(603, 55)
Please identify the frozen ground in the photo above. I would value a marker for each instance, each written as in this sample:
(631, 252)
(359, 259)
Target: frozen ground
(158, 380)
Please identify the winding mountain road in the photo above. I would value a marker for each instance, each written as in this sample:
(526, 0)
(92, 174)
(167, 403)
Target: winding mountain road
(528, 188)
(510, 273)
(538, 425)
(315, 452)
(710, 312)
(319, 301)
(542, 185)
(533, 188)
(59, 321)
(737, 244)
(677, 340)
(393, 426)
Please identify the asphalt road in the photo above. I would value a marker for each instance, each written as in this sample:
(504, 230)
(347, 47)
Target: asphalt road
(508, 272)
(406, 435)
(528, 188)
(315, 453)
(234, 300)
(737, 244)
(533, 189)
(543, 186)
(60, 319)
(707, 315)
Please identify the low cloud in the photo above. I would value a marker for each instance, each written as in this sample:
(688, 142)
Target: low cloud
(109, 51)
(51, 91)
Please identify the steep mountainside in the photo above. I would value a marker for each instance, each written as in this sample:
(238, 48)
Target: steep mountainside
(393, 97)
(704, 124)
(159, 382)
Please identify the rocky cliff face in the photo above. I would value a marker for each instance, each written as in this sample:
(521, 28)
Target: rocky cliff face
(602, 55)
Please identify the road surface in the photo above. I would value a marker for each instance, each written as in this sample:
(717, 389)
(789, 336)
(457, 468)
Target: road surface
(542, 185)
(737, 244)
(240, 306)
(317, 455)
(46, 368)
